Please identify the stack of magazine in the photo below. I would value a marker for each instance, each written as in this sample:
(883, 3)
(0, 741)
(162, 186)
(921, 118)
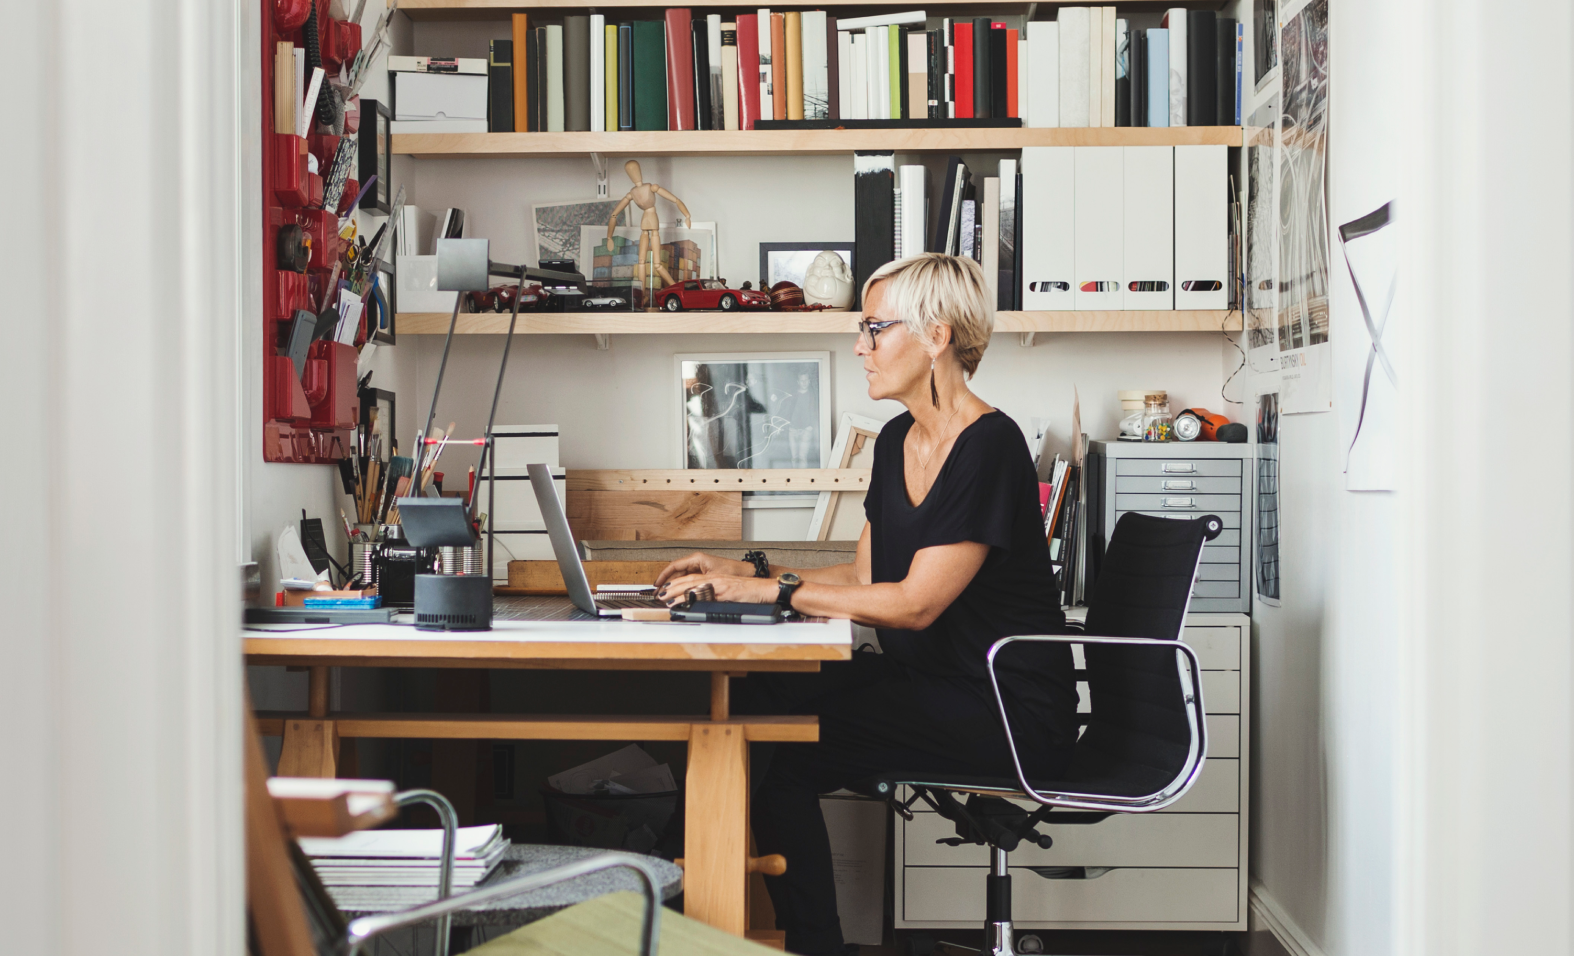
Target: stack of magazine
(380, 870)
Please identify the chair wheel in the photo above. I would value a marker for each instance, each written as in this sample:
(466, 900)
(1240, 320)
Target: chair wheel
(1029, 943)
(920, 944)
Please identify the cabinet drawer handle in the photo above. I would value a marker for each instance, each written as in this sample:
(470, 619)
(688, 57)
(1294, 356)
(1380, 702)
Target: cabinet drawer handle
(1179, 468)
(1180, 502)
(1179, 485)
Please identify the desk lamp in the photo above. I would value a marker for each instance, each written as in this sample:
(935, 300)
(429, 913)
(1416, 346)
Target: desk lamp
(458, 598)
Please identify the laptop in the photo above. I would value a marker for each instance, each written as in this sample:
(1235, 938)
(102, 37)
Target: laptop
(567, 554)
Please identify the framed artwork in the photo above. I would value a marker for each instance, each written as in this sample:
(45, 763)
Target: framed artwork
(374, 140)
(790, 260)
(378, 406)
(555, 227)
(754, 409)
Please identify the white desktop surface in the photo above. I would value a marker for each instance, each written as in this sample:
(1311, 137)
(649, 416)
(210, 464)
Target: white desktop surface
(832, 633)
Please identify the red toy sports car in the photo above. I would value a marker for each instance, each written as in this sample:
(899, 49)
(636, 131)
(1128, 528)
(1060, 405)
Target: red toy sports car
(710, 294)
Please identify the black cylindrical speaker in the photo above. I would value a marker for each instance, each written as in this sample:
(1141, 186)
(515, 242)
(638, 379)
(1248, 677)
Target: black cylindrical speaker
(453, 602)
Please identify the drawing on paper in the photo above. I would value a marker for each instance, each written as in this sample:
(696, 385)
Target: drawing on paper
(1261, 264)
(755, 410)
(1303, 167)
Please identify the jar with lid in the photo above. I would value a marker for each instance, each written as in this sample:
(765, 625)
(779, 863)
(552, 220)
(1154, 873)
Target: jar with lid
(1157, 425)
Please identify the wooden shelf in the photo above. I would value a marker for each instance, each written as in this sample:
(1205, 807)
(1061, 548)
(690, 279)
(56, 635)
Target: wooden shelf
(500, 9)
(685, 323)
(796, 142)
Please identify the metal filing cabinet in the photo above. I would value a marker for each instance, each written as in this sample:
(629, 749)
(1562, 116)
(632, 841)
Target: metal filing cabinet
(1179, 480)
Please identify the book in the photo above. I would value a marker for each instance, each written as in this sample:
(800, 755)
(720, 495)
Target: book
(876, 52)
(649, 57)
(794, 49)
(552, 106)
(778, 66)
(1202, 54)
(989, 248)
(833, 69)
(1072, 37)
(982, 72)
(816, 71)
(1122, 74)
(1095, 66)
(1015, 87)
(729, 75)
(1107, 68)
(1157, 99)
(913, 191)
(748, 73)
(1016, 245)
(1175, 21)
(882, 20)
(1005, 287)
(625, 76)
(610, 65)
(1043, 74)
(896, 222)
(917, 75)
(844, 60)
(536, 51)
(767, 109)
(1136, 70)
(947, 70)
(718, 118)
(858, 85)
(934, 75)
(962, 67)
(473, 66)
(576, 73)
(520, 31)
(944, 240)
(874, 213)
(699, 46)
(1000, 70)
(598, 71)
(679, 31)
(1240, 67)
(1224, 73)
(896, 74)
(500, 87)
(967, 230)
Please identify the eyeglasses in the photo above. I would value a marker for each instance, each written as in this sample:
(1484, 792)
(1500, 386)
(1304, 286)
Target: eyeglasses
(867, 331)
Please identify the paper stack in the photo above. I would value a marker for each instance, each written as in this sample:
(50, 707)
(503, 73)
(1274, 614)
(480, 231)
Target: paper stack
(380, 870)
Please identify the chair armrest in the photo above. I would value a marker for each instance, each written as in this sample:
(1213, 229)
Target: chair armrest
(1192, 685)
(367, 927)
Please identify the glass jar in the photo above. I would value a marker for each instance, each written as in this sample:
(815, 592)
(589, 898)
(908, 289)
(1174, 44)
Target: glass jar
(1131, 405)
(1157, 425)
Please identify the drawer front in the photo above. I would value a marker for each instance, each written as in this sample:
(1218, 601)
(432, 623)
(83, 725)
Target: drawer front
(1224, 735)
(1126, 839)
(1217, 589)
(1230, 519)
(1221, 693)
(1179, 465)
(1178, 502)
(1218, 648)
(1219, 572)
(1176, 485)
(956, 894)
(1221, 554)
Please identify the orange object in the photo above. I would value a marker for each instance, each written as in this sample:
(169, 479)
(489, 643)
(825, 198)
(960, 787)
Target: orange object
(1209, 423)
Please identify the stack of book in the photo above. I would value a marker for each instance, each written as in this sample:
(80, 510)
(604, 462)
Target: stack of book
(397, 869)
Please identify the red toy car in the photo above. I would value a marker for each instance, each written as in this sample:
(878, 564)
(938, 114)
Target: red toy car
(710, 294)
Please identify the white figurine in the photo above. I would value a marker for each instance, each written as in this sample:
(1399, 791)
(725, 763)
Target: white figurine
(828, 282)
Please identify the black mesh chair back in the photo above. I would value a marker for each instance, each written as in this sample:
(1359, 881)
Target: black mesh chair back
(1139, 735)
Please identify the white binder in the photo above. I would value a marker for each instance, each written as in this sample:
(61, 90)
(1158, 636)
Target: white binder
(1043, 74)
(1072, 33)
(1148, 279)
(1099, 224)
(1048, 228)
(1201, 227)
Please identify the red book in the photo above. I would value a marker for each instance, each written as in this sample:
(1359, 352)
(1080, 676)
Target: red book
(680, 69)
(1011, 73)
(962, 51)
(748, 69)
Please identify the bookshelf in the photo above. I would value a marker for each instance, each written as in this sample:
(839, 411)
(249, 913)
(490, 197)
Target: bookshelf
(690, 323)
(500, 9)
(796, 142)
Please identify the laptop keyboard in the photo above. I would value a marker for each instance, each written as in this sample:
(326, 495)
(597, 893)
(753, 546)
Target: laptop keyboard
(618, 603)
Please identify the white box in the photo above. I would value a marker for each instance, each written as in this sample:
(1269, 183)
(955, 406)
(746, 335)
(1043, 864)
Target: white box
(1100, 189)
(511, 501)
(516, 446)
(1048, 228)
(439, 96)
(417, 286)
(1149, 202)
(530, 544)
(1202, 232)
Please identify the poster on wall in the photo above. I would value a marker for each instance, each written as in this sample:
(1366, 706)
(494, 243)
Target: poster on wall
(1265, 54)
(1305, 360)
(1368, 383)
(1265, 542)
(1262, 233)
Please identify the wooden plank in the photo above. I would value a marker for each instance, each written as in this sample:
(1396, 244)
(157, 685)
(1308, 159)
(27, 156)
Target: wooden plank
(272, 896)
(325, 816)
(545, 577)
(310, 749)
(846, 323)
(656, 515)
(798, 142)
(717, 479)
(716, 854)
(786, 728)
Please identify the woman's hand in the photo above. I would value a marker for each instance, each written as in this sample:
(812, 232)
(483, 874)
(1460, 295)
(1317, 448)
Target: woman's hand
(728, 587)
(701, 563)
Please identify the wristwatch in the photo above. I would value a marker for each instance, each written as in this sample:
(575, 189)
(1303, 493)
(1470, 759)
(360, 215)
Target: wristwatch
(762, 567)
(787, 584)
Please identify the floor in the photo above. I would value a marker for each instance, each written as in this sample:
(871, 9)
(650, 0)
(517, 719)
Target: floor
(1074, 943)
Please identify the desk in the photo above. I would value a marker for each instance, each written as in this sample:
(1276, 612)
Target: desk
(717, 784)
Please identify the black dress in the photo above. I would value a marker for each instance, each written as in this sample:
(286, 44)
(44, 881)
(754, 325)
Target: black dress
(925, 703)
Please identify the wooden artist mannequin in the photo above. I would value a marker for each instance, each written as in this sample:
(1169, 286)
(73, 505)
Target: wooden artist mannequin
(644, 196)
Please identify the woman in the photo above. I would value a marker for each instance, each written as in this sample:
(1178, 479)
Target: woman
(951, 559)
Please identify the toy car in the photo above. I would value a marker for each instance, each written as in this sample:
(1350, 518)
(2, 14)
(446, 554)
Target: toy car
(605, 302)
(710, 294)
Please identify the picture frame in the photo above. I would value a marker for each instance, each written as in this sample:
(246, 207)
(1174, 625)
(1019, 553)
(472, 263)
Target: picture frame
(555, 226)
(839, 515)
(790, 260)
(385, 404)
(383, 315)
(753, 409)
(374, 142)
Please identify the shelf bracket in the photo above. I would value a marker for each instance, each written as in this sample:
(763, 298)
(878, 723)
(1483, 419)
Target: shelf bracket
(1028, 339)
(603, 342)
(600, 163)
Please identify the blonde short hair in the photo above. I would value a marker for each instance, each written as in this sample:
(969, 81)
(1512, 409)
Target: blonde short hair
(933, 289)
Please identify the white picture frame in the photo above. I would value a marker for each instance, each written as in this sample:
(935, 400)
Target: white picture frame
(753, 409)
(855, 437)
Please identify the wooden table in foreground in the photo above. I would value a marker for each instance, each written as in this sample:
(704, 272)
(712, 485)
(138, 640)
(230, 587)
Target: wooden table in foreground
(717, 785)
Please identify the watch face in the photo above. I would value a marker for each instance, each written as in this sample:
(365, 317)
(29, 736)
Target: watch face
(790, 578)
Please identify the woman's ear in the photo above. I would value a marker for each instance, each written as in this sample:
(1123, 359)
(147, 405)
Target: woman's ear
(941, 336)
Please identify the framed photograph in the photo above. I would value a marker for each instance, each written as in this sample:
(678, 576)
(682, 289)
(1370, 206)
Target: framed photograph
(754, 409)
(555, 227)
(377, 406)
(374, 142)
(790, 260)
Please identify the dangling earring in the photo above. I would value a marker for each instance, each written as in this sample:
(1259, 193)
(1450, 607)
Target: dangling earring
(934, 393)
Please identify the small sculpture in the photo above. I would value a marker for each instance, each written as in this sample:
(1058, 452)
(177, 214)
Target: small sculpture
(828, 282)
(644, 196)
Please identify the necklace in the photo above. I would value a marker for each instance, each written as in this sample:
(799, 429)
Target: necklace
(923, 461)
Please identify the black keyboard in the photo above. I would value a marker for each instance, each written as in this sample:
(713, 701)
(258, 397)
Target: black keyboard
(615, 602)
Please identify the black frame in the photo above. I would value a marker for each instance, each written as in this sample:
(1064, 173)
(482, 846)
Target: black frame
(369, 397)
(375, 141)
(386, 284)
(766, 248)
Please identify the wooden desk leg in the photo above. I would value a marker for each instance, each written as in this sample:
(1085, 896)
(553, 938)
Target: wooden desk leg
(317, 692)
(716, 842)
(720, 695)
(310, 749)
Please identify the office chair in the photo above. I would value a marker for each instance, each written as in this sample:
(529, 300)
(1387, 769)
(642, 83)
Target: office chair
(1144, 739)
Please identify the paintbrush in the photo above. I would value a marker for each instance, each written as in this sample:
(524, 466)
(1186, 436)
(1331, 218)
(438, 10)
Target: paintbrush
(431, 465)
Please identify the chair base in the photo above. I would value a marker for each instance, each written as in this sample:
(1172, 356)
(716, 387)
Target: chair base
(999, 939)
